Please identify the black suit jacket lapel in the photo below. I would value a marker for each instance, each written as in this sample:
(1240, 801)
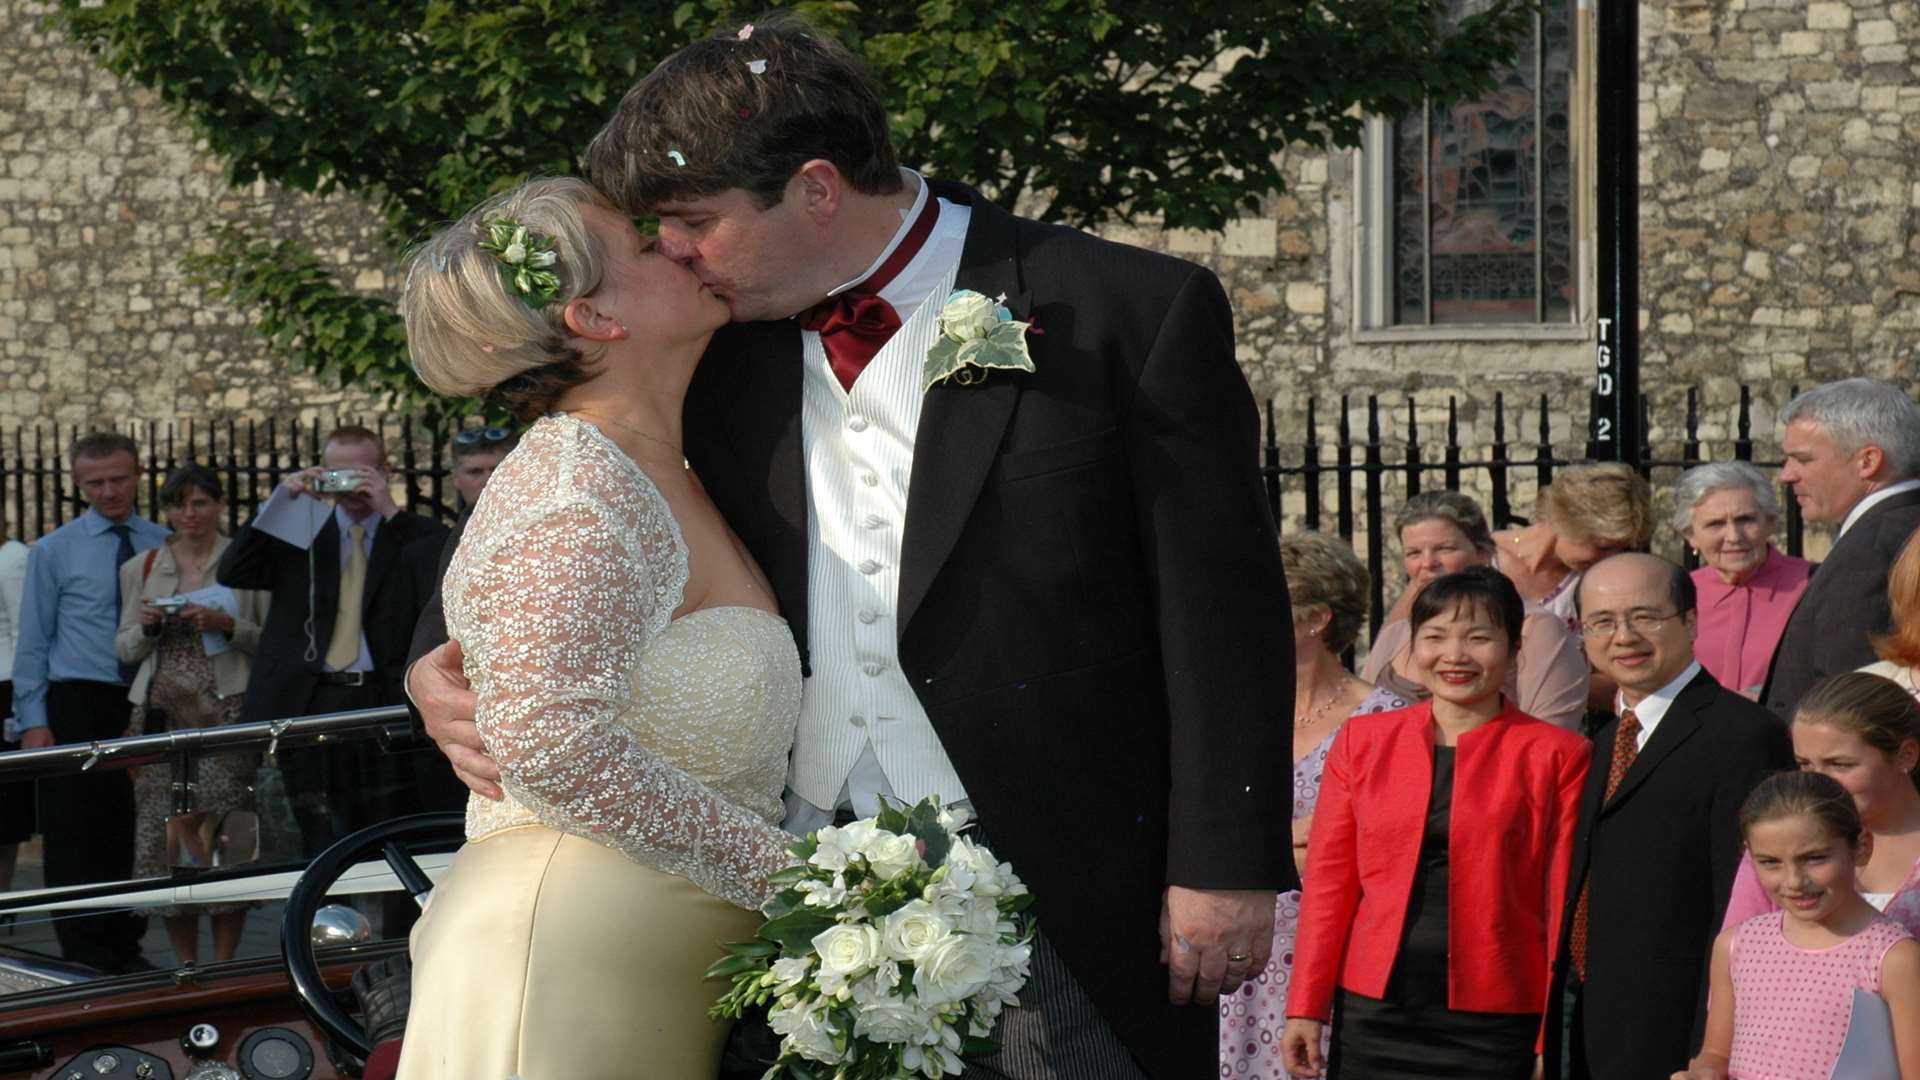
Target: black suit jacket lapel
(1676, 727)
(960, 426)
(752, 380)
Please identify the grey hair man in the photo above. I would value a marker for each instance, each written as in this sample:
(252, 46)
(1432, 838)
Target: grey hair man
(1853, 455)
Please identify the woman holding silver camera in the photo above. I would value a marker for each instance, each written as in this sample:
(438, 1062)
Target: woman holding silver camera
(194, 641)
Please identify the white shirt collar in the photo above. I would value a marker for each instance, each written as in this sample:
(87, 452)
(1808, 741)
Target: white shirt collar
(907, 216)
(1653, 708)
(1860, 508)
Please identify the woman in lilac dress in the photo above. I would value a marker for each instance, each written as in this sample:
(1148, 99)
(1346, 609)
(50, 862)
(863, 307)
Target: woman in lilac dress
(1328, 586)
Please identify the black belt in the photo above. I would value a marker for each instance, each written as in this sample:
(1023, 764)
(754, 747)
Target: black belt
(345, 678)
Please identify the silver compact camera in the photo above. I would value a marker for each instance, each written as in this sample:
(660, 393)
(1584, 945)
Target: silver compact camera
(336, 481)
(170, 605)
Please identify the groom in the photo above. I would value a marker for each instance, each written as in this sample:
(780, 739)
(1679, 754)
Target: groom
(1056, 595)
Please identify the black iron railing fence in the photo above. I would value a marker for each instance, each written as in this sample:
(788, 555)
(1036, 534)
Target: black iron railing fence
(1346, 480)
(1351, 483)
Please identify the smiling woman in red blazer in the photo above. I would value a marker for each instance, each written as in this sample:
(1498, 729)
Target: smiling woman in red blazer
(1437, 866)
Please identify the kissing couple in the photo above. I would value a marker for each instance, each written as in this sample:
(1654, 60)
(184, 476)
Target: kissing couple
(772, 550)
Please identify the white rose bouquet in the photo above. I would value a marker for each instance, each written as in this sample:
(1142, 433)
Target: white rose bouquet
(890, 950)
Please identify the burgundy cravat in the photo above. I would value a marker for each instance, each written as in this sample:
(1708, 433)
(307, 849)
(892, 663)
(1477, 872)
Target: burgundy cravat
(856, 323)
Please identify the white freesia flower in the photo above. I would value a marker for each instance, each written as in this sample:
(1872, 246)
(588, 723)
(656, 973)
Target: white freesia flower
(790, 972)
(543, 259)
(845, 951)
(809, 1029)
(515, 254)
(955, 818)
(822, 893)
(980, 864)
(954, 969)
(968, 316)
(832, 848)
(909, 932)
(886, 1017)
(888, 855)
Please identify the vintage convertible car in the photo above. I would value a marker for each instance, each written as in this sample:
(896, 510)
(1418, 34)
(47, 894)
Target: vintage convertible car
(281, 1008)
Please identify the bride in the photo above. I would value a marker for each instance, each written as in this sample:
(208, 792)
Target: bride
(635, 682)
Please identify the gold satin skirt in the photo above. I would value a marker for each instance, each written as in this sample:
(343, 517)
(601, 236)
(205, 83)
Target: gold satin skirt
(545, 956)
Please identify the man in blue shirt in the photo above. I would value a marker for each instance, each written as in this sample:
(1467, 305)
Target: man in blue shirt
(69, 687)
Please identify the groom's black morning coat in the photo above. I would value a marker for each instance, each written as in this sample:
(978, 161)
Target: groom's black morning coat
(1091, 603)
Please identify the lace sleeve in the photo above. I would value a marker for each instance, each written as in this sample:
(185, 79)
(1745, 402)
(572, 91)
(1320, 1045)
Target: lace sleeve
(555, 620)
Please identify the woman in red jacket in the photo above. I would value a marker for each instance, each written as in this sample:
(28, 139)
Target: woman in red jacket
(1437, 865)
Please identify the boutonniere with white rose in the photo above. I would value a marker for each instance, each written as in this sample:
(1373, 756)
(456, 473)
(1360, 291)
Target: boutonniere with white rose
(977, 335)
(525, 258)
(889, 952)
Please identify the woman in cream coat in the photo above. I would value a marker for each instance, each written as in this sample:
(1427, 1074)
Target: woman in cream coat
(194, 664)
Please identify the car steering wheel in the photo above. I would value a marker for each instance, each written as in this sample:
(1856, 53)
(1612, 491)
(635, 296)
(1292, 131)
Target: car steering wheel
(329, 1009)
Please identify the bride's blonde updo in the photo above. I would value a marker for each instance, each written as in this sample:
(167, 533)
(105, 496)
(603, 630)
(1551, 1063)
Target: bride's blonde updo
(470, 334)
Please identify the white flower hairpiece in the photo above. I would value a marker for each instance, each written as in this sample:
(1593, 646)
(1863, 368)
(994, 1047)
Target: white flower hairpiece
(526, 259)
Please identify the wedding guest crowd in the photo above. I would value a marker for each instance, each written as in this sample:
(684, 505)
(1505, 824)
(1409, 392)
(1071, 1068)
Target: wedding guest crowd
(1605, 959)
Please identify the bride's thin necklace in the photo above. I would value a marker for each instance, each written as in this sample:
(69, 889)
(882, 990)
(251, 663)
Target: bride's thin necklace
(676, 451)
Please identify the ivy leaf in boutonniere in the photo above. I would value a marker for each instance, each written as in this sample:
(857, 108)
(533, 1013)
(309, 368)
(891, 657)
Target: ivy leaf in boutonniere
(977, 334)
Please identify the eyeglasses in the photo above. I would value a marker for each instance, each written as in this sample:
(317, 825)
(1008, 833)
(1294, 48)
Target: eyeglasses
(1642, 623)
(478, 436)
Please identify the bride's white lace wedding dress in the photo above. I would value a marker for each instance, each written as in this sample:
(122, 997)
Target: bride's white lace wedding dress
(643, 758)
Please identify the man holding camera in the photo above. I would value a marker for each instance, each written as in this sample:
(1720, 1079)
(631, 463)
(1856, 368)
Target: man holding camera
(336, 637)
(70, 688)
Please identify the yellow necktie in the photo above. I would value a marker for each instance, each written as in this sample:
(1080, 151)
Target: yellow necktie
(344, 649)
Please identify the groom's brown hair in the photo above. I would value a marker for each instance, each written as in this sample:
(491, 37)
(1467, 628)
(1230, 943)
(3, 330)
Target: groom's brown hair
(735, 111)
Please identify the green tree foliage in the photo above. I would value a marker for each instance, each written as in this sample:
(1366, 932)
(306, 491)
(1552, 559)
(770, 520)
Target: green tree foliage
(1094, 109)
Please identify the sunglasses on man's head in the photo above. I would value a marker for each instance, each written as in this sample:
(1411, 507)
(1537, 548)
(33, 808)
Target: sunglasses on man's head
(477, 436)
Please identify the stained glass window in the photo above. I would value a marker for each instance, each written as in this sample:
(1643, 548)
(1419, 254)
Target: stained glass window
(1481, 210)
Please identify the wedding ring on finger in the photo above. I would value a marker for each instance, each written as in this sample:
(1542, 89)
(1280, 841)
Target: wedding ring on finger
(1239, 958)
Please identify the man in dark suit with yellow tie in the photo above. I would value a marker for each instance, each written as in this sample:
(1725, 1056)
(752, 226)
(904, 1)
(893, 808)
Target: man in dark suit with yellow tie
(337, 635)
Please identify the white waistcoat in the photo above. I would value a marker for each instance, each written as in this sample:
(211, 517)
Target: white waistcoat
(859, 459)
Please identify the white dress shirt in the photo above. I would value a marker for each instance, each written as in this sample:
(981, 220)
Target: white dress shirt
(1860, 508)
(863, 733)
(1653, 708)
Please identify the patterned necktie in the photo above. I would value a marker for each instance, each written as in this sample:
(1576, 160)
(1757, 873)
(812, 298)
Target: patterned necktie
(344, 648)
(122, 555)
(1626, 747)
(853, 325)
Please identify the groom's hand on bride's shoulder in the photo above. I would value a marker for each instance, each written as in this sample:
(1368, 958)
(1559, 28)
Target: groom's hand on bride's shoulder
(439, 689)
(1212, 940)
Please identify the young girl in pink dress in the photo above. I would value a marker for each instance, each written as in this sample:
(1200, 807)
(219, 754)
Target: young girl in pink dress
(1783, 981)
